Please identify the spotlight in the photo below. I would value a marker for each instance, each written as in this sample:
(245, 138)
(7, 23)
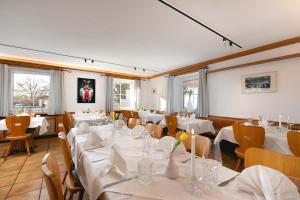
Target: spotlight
(92, 61)
(144, 70)
(224, 41)
(85, 60)
(134, 68)
(230, 43)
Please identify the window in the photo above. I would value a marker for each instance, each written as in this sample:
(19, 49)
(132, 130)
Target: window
(30, 92)
(123, 94)
(190, 95)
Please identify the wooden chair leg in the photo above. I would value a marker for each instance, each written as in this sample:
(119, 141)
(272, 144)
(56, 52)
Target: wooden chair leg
(71, 195)
(238, 164)
(81, 193)
(65, 193)
(27, 147)
(64, 178)
(8, 150)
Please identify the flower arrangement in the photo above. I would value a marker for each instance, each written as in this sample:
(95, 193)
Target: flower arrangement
(183, 136)
(116, 116)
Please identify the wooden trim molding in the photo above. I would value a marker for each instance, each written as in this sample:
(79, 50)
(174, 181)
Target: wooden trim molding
(259, 62)
(197, 66)
(15, 61)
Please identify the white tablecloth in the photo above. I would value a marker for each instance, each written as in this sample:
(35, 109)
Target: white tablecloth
(35, 122)
(275, 140)
(199, 125)
(91, 119)
(131, 149)
(155, 118)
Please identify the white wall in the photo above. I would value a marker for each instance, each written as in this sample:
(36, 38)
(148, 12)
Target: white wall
(70, 91)
(148, 100)
(225, 98)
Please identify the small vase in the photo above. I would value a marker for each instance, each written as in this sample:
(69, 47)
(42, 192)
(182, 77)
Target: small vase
(171, 170)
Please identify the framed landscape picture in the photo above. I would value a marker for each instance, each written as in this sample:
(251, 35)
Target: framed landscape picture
(86, 90)
(259, 83)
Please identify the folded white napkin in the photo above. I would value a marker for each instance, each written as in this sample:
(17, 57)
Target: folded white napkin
(266, 183)
(193, 116)
(166, 144)
(138, 131)
(248, 124)
(117, 160)
(94, 140)
(83, 128)
(23, 114)
(154, 112)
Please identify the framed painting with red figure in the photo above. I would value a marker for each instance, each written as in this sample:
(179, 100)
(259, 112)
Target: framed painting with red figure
(86, 90)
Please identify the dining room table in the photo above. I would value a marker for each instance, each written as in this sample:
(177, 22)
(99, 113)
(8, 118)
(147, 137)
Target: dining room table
(35, 123)
(147, 116)
(91, 162)
(275, 138)
(92, 119)
(199, 125)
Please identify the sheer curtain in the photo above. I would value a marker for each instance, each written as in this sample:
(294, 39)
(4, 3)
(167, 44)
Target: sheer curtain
(170, 91)
(137, 93)
(202, 107)
(55, 104)
(109, 106)
(5, 89)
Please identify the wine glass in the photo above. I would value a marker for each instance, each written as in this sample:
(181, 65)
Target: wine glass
(149, 144)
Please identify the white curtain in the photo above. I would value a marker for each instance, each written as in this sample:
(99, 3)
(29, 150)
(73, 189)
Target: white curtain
(109, 106)
(55, 102)
(137, 93)
(170, 91)
(202, 107)
(5, 89)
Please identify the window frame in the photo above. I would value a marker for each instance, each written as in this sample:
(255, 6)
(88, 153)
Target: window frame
(183, 107)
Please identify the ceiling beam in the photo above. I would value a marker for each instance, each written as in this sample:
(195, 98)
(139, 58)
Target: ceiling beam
(16, 61)
(259, 62)
(197, 66)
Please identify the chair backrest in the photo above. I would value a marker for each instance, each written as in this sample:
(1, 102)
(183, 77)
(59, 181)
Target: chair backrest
(126, 114)
(171, 121)
(202, 144)
(287, 164)
(293, 138)
(248, 136)
(61, 128)
(135, 115)
(17, 125)
(69, 120)
(52, 176)
(149, 127)
(157, 131)
(67, 155)
(132, 122)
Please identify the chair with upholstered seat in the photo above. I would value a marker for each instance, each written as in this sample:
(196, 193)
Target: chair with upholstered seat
(61, 128)
(171, 121)
(287, 164)
(52, 179)
(202, 144)
(293, 138)
(71, 177)
(247, 136)
(132, 122)
(69, 120)
(17, 126)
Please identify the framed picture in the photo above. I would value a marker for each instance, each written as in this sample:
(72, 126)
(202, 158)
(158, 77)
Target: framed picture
(86, 90)
(259, 83)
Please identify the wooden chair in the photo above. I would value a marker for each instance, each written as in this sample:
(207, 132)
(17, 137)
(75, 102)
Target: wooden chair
(52, 178)
(202, 144)
(293, 138)
(73, 184)
(157, 131)
(171, 121)
(287, 164)
(247, 136)
(69, 120)
(61, 128)
(135, 115)
(17, 126)
(132, 122)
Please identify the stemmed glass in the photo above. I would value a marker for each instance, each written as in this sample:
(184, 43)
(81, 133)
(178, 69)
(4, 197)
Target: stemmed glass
(149, 144)
(290, 123)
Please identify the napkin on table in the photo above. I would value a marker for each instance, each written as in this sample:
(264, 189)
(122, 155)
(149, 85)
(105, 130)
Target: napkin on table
(138, 131)
(266, 183)
(94, 140)
(166, 143)
(83, 128)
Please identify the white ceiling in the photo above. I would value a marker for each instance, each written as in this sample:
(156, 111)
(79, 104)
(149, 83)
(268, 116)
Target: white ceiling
(142, 32)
